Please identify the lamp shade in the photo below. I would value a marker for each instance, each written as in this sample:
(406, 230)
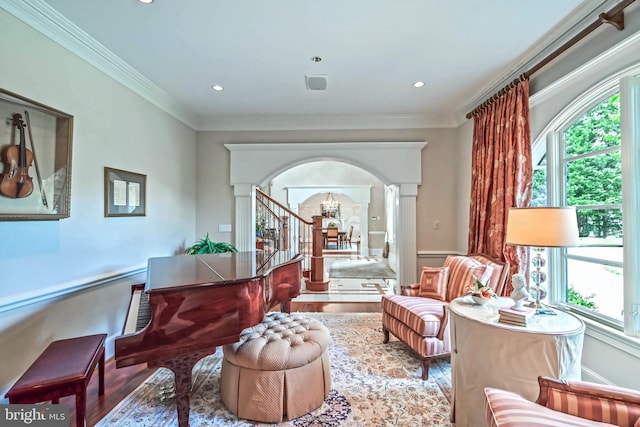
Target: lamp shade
(543, 227)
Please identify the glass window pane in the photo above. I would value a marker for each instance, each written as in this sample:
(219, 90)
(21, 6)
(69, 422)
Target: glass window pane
(600, 227)
(599, 128)
(596, 287)
(594, 180)
(539, 190)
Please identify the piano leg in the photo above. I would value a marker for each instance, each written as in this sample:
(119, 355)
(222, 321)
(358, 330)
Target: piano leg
(182, 368)
(285, 306)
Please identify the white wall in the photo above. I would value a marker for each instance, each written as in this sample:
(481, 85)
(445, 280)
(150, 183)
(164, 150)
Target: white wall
(113, 127)
(463, 166)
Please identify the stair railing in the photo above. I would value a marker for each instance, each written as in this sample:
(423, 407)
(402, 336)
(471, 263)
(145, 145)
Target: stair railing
(279, 228)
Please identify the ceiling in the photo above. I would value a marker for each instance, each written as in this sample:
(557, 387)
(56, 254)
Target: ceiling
(372, 52)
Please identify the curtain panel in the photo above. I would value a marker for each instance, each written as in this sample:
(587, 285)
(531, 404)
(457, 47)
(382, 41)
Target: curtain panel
(501, 176)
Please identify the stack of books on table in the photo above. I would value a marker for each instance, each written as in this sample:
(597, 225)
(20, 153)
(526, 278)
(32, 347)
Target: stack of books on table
(516, 317)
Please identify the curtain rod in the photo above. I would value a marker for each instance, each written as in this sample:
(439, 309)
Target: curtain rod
(614, 17)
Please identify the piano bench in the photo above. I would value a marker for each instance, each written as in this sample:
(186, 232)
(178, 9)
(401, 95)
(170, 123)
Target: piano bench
(63, 369)
(279, 368)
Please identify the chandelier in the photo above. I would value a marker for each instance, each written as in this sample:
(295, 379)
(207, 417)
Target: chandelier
(330, 202)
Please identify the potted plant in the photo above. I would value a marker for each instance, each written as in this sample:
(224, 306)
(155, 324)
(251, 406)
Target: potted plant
(207, 246)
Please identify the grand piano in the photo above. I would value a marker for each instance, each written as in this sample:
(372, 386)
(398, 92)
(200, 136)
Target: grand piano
(190, 304)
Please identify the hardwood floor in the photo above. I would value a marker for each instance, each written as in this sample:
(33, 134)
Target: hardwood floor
(119, 383)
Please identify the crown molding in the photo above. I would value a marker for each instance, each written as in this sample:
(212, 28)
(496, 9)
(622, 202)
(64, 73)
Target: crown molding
(46, 20)
(333, 147)
(326, 122)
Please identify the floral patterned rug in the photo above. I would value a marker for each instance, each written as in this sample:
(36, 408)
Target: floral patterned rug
(373, 384)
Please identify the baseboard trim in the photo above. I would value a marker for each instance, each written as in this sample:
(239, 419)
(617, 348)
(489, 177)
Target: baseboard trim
(60, 291)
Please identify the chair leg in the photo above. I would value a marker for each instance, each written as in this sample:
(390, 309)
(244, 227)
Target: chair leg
(386, 336)
(426, 361)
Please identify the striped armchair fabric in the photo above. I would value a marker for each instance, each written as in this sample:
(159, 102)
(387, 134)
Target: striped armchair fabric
(422, 322)
(564, 403)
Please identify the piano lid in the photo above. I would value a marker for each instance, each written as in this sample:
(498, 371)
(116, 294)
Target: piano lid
(173, 272)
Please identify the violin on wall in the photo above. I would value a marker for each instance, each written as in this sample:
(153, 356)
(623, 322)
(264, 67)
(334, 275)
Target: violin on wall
(16, 182)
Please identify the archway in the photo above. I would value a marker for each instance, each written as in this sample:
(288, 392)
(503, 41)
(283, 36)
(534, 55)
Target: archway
(394, 163)
(357, 189)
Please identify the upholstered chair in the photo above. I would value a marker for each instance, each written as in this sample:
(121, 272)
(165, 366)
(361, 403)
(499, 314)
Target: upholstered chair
(332, 237)
(566, 403)
(419, 316)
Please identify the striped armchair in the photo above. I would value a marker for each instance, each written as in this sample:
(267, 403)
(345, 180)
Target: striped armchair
(566, 403)
(419, 316)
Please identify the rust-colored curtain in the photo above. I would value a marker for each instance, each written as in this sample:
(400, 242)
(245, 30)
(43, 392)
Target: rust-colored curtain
(501, 176)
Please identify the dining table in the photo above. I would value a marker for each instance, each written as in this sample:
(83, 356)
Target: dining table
(341, 237)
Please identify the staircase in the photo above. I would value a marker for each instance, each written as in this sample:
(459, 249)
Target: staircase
(280, 229)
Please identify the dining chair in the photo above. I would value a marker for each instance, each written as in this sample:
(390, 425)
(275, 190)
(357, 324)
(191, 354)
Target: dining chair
(332, 237)
(347, 238)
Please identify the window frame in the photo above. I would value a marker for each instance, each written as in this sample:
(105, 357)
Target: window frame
(628, 85)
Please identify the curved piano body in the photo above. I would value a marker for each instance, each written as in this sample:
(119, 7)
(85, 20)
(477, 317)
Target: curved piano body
(199, 302)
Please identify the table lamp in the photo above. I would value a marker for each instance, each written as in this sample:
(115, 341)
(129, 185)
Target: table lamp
(543, 227)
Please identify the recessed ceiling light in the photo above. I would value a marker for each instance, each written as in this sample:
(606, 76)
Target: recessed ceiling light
(146, 1)
(418, 84)
(217, 87)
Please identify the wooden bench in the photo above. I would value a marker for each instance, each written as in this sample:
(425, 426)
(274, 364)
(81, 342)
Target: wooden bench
(63, 369)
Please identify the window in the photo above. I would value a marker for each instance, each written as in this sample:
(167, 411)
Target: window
(586, 167)
(592, 182)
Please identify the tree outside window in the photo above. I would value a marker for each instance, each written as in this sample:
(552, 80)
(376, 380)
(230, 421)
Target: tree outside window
(593, 184)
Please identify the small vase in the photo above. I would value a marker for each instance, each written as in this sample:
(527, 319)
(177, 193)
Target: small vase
(479, 300)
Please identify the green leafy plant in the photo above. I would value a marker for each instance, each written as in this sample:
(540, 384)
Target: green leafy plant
(207, 246)
(574, 297)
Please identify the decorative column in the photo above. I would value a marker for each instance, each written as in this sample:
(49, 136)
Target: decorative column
(407, 235)
(316, 282)
(245, 218)
(364, 229)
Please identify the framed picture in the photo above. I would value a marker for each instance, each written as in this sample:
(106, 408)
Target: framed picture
(124, 193)
(35, 148)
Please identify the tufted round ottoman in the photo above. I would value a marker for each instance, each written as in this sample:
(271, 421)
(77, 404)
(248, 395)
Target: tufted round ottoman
(279, 367)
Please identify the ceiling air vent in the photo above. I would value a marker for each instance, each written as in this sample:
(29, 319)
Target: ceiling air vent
(316, 82)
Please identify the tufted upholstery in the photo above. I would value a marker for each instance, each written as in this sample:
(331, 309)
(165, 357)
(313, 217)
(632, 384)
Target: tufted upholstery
(422, 323)
(566, 403)
(279, 367)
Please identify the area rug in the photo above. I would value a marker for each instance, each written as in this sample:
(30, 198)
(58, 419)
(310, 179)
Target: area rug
(373, 384)
(360, 269)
